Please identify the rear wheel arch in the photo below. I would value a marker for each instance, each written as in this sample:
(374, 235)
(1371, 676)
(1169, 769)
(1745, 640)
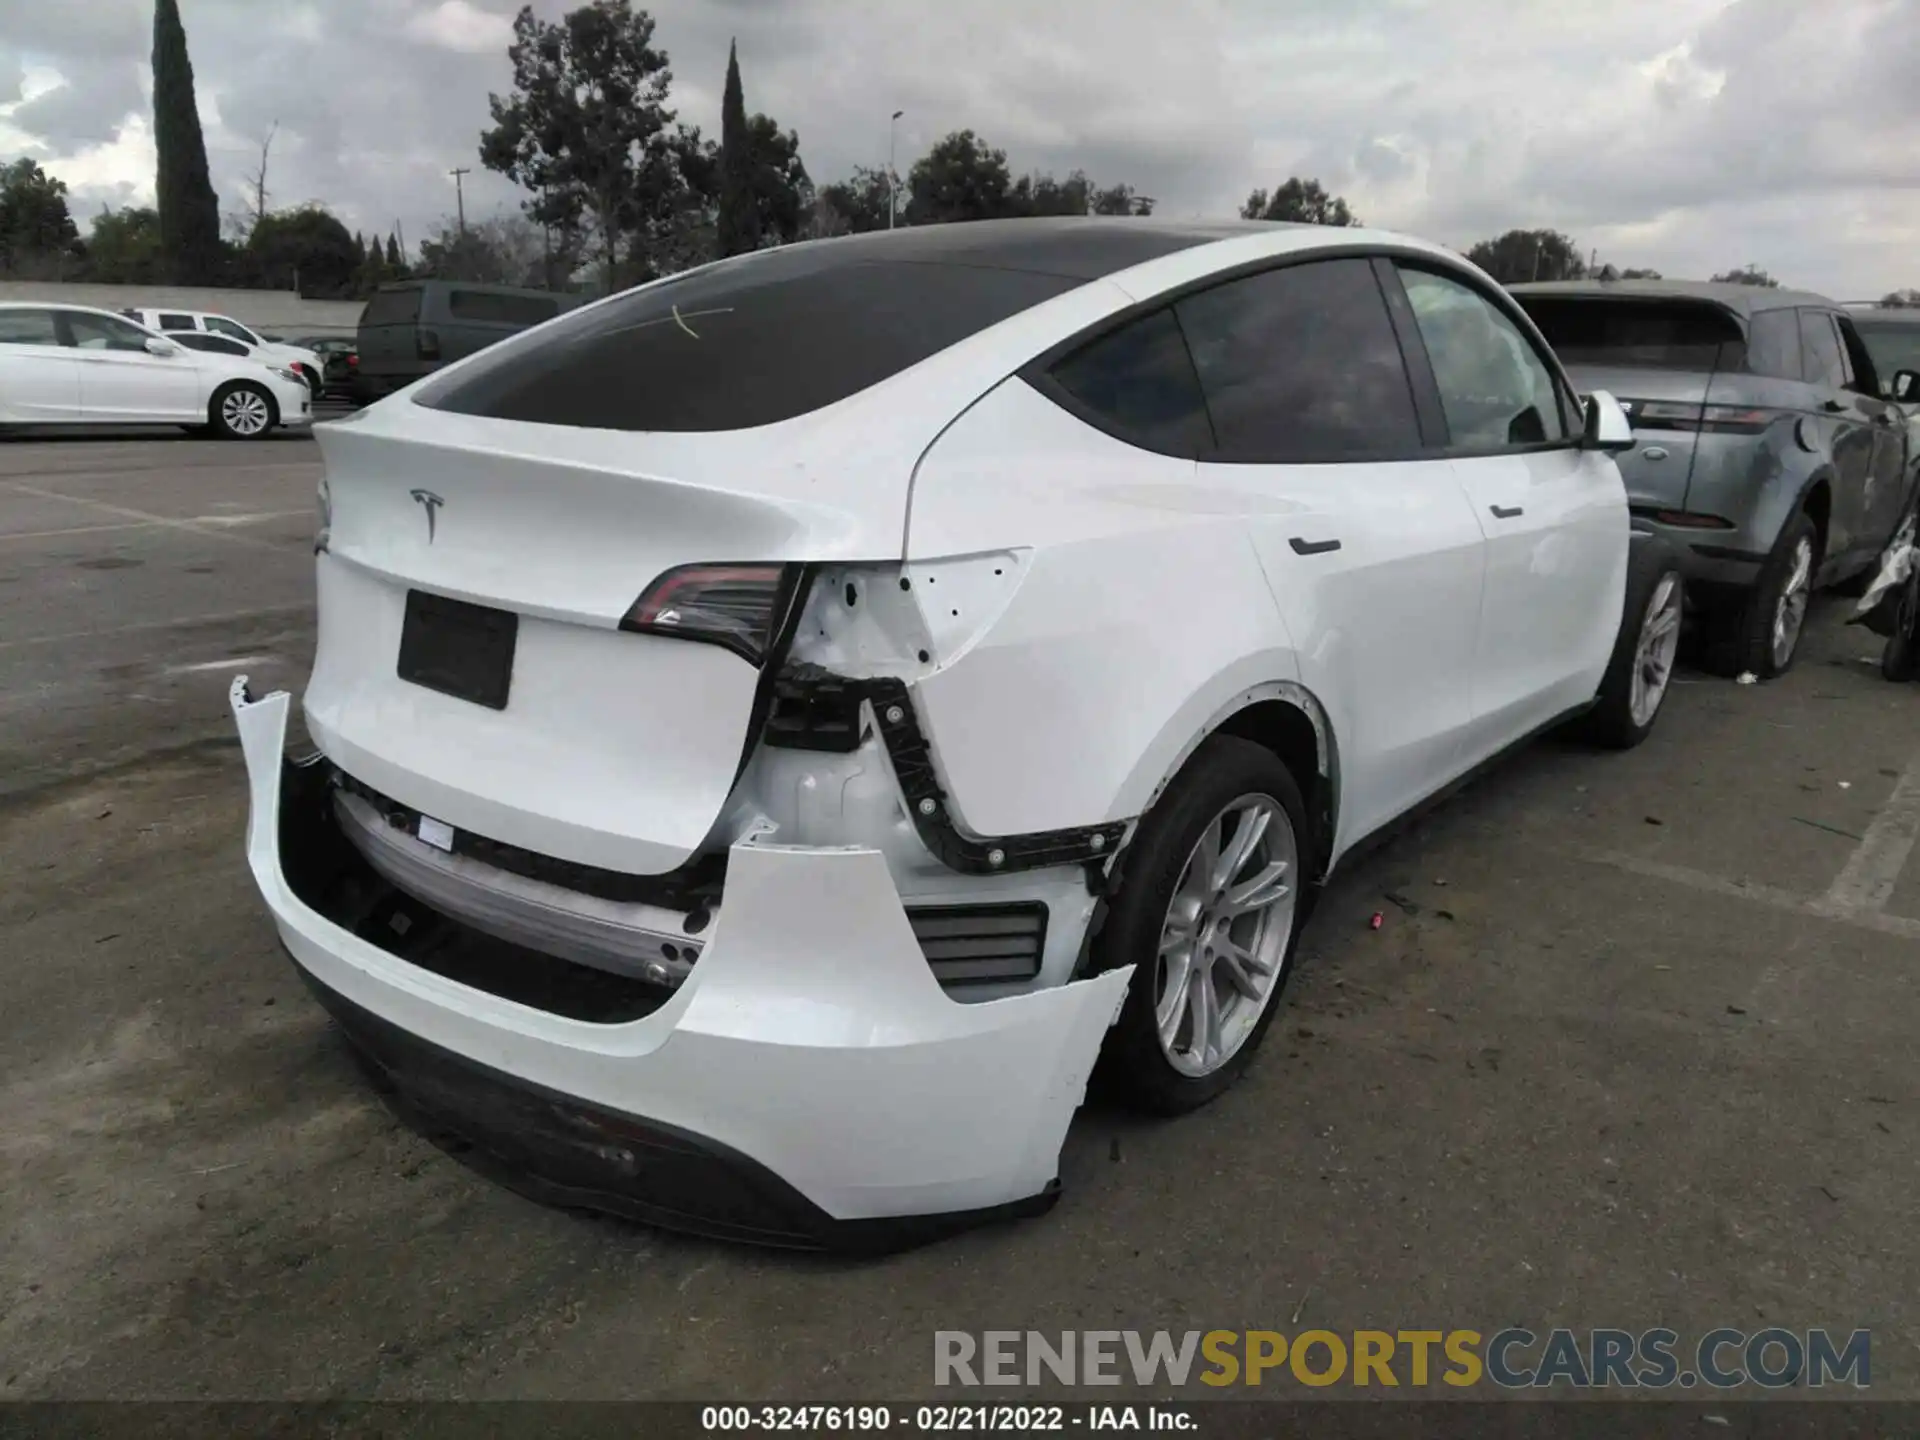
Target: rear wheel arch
(1287, 719)
(1816, 503)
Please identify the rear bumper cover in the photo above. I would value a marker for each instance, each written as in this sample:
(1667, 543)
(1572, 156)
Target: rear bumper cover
(809, 1085)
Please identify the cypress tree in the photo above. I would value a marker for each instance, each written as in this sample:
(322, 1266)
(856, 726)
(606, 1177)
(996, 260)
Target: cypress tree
(393, 255)
(189, 210)
(739, 220)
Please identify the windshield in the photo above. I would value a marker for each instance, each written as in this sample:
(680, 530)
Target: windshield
(1894, 346)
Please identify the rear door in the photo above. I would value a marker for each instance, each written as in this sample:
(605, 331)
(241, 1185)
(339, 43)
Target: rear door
(1372, 551)
(121, 381)
(1847, 426)
(1554, 515)
(1886, 494)
(39, 380)
(388, 335)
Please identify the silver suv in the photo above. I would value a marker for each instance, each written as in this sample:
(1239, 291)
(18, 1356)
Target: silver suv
(1766, 450)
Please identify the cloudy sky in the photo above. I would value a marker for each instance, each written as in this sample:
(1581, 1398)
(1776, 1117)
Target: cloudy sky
(1689, 135)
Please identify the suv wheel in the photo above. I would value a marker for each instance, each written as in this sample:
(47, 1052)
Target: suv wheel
(1766, 631)
(1209, 908)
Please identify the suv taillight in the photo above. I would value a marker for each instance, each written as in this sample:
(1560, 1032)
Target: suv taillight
(1712, 419)
(738, 607)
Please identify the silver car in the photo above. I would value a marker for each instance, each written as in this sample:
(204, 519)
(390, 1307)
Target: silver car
(1766, 451)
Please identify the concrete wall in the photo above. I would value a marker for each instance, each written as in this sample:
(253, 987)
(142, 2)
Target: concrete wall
(280, 311)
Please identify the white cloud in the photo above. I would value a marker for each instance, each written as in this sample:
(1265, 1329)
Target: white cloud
(459, 25)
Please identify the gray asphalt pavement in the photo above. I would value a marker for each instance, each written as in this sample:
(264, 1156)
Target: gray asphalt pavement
(1632, 1047)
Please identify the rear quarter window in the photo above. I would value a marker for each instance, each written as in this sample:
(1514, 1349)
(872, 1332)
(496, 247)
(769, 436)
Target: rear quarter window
(745, 343)
(1139, 383)
(177, 322)
(1658, 334)
(392, 307)
(487, 308)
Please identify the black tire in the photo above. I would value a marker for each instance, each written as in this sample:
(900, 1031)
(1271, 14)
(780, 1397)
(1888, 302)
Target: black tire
(1655, 588)
(217, 423)
(1747, 644)
(1223, 770)
(1900, 659)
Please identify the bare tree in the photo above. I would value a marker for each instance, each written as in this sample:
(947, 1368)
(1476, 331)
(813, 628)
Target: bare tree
(257, 182)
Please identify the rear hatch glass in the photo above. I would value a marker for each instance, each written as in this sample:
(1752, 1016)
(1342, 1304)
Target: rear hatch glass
(387, 329)
(741, 344)
(492, 307)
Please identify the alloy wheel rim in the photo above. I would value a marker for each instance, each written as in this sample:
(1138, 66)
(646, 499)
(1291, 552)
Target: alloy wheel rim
(1224, 938)
(1790, 612)
(1654, 653)
(245, 412)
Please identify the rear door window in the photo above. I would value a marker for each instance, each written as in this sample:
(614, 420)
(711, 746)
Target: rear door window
(1660, 334)
(1495, 390)
(392, 307)
(1773, 344)
(28, 327)
(488, 307)
(1139, 383)
(1300, 365)
(1825, 364)
(750, 342)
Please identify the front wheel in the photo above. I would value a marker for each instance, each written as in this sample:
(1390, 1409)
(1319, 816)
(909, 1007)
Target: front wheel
(1209, 908)
(241, 411)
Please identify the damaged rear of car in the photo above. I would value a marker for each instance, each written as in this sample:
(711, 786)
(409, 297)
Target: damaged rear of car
(624, 853)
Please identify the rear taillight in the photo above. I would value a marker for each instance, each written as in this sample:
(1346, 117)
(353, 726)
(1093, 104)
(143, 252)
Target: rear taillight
(1712, 419)
(429, 345)
(353, 361)
(735, 606)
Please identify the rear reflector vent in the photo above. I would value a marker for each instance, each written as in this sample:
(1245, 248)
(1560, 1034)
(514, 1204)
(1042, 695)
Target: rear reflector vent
(981, 944)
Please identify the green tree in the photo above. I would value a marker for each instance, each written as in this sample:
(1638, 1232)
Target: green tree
(1900, 300)
(306, 248)
(1641, 275)
(189, 210)
(1747, 275)
(586, 127)
(782, 190)
(395, 267)
(1121, 200)
(1304, 201)
(37, 235)
(739, 217)
(961, 178)
(854, 205)
(1520, 256)
(123, 248)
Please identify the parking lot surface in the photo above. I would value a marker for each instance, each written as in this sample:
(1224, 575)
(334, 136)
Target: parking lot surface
(1632, 1046)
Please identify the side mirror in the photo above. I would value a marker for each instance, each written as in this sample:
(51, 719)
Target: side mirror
(1607, 427)
(157, 346)
(1905, 387)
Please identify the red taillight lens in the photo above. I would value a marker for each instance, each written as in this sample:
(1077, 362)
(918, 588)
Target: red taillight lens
(352, 361)
(735, 606)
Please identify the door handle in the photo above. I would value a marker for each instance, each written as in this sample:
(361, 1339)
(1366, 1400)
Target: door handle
(1312, 547)
(1832, 407)
(1507, 512)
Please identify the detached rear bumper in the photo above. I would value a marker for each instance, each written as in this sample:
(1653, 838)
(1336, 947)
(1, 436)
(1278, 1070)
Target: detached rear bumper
(809, 1085)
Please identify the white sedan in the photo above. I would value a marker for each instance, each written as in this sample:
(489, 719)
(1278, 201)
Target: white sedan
(72, 365)
(778, 726)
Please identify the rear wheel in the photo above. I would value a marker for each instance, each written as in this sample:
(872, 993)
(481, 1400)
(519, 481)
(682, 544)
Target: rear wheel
(241, 411)
(1900, 660)
(1209, 908)
(1641, 670)
(1764, 635)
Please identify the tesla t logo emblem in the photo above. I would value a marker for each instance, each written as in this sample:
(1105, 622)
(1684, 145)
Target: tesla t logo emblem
(433, 503)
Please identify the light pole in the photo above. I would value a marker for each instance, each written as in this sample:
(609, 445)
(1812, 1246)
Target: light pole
(893, 190)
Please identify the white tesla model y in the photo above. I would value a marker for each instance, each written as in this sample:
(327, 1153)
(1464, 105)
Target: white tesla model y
(778, 726)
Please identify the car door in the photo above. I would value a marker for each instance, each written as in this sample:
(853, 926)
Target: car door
(1846, 430)
(1554, 514)
(1371, 548)
(1884, 500)
(39, 379)
(122, 381)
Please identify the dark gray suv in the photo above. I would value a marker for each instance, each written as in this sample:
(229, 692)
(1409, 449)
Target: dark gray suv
(1766, 451)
